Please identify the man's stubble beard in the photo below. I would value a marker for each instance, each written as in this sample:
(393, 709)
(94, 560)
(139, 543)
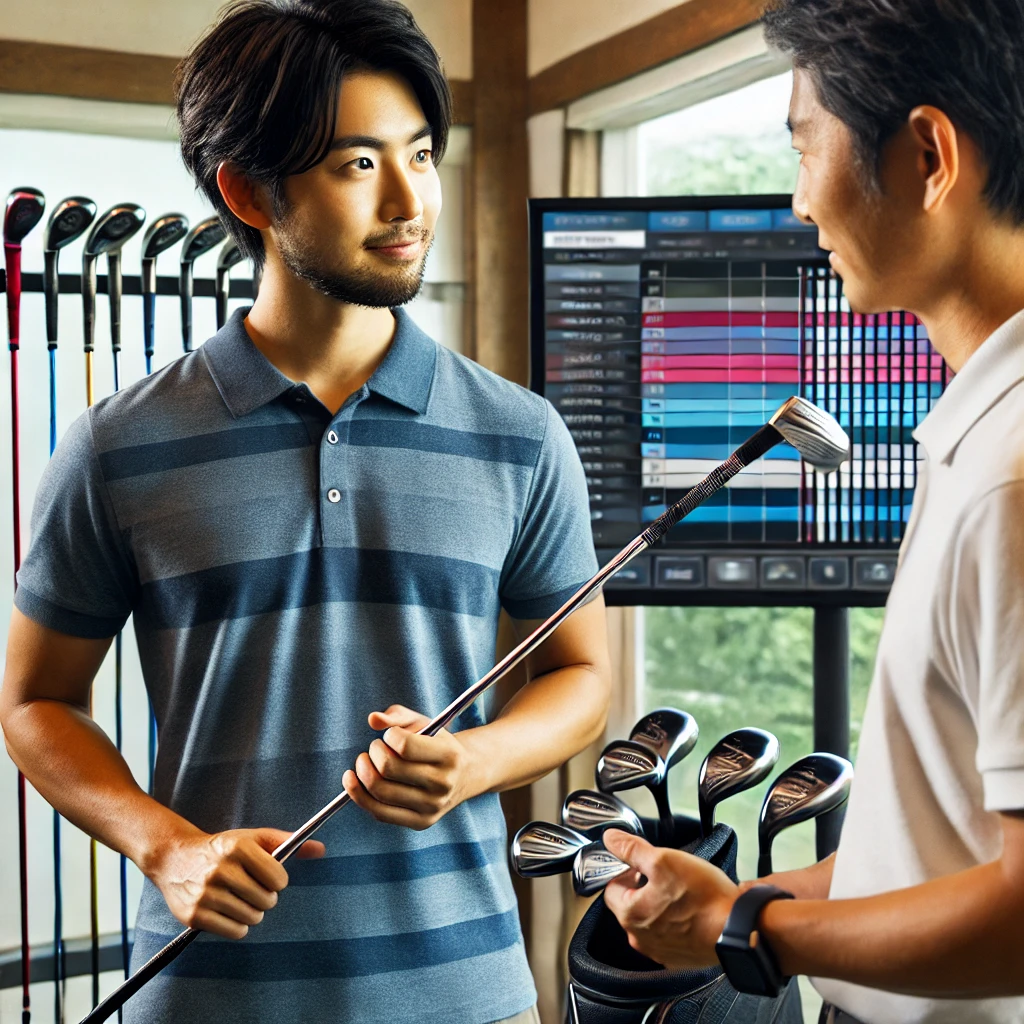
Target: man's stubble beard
(358, 287)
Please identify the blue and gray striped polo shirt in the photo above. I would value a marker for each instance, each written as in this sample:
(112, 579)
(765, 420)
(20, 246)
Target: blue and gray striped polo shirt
(290, 571)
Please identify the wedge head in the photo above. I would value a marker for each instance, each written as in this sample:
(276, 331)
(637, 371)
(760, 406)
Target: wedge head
(735, 763)
(113, 228)
(811, 787)
(22, 213)
(164, 232)
(668, 732)
(594, 867)
(592, 813)
(814, 433)
(202, 238)
(626, 764)
(67, 221)
(542, 848)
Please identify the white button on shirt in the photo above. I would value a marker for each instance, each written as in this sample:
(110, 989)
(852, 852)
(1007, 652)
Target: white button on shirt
(942, 744)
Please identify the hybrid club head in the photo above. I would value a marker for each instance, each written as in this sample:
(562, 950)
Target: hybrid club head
(113, 228)
(815, 434)
(670, 733)
(23, 212)
(592, 813)
(67, 221)
(201, 239)
(626, 764)
(735, 763)
(228, 256)
(813, 786)
(541, 848)
(594, 867)
(164, 232)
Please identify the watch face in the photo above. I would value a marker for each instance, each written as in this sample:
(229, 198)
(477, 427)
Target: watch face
(746, 970)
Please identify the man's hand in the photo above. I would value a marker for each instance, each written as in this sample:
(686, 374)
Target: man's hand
(223, 883)
(408, 779)
(677, 916)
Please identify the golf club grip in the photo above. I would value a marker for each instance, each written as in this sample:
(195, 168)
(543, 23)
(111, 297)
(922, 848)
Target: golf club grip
(50, 288)
(149, 323)
(12, 260)
(764, 864)
(186, 306)
(88, 302)
(114, 286)
(150, 969)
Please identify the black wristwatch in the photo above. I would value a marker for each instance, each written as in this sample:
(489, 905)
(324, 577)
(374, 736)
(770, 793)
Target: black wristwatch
(750, 968)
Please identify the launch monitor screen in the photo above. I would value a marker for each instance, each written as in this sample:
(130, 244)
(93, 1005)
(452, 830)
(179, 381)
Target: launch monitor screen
(666, 331)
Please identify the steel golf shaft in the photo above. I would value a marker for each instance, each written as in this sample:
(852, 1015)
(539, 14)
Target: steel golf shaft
(764, 440)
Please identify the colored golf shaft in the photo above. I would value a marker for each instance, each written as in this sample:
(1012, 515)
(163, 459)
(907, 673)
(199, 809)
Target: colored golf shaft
(12, 262)
(149, 341)
(764, 440)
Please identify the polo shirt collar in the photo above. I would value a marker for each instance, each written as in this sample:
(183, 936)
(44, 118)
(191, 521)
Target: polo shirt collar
(248, 380)
(995, 368)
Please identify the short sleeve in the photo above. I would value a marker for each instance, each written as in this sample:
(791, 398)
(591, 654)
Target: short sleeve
(987, 631)
(553, 551)
(77, 577)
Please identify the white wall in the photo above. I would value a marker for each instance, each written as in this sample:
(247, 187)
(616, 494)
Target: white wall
(558, 28)
(169, 27)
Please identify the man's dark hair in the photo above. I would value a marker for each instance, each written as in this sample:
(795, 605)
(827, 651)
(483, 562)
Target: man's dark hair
(873, 61)
(261, 88)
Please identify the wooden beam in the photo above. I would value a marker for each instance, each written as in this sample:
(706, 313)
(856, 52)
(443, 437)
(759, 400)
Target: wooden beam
(91, 74)
(675, 32)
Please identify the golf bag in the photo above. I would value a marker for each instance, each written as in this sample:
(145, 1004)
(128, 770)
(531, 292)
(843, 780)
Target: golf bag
(611, 983)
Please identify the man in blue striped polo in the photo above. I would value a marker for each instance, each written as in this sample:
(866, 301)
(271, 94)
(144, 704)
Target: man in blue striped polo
(318, 514)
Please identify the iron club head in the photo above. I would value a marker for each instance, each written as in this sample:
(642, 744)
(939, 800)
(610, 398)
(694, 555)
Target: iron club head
(626, 764)
(735, 763)
(668, 732)
(591, 813)
(814, 433)
(594, 867)
(811, 787)
(67, 221)
(23, 212)
(542, 848)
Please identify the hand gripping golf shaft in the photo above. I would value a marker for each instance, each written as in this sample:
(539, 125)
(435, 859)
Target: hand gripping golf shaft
(764, 440)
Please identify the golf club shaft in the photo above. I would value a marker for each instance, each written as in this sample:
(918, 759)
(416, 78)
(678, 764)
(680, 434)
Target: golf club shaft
(114, 292)
(764, 440)
(185, 287)
(223, 284)
(764, 862)
(51, 288)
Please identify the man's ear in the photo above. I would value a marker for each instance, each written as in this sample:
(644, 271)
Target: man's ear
(938, 144)
(243, 198)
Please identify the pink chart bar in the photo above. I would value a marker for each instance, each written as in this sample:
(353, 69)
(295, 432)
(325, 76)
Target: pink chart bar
(724, 362)
(857, 320)
(907, 377)
(723, 319)
(709, 376)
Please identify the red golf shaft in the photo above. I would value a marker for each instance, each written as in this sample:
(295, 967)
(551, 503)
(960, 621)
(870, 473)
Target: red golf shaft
(12, 260)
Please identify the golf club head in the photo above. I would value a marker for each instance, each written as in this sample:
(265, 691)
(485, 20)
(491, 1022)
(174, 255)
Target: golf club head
(202, 238)
(814, 433)
(735, 763)
(670, 733)
(67, 221)
(229, 256)
(811, 787)
(23, 212)
(541, 848)
(113, 228)
(594, 867)
(164, 232)
(591, 813)
(626, 764)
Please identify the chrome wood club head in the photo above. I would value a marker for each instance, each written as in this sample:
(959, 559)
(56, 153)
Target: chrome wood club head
(735, 763)
(68, 219)
(814, 433)
(113, 229)
(670, 733)
(22, 213)
(807, 789)
(592, 813)
(626, 764)
(542, 848)
(594, 867)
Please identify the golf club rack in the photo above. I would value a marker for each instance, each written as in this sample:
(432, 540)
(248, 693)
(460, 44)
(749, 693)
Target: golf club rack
(609, 981)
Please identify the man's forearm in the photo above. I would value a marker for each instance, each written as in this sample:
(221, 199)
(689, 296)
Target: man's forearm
(811, 883)
(549, 720)
(75, 767)
(957, 936)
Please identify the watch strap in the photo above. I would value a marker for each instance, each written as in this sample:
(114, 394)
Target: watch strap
(742, 919)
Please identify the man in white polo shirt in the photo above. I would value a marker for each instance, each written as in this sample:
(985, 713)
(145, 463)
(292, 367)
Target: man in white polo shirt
(909, 117)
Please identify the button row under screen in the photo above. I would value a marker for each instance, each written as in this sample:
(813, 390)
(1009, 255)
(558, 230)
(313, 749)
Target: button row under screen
(764, 572)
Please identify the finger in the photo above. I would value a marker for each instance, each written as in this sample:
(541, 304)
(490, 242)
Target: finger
(237, 880)
(411, 746)
(395, 794)
(397, 714)
(311, 849)
(204, 920)
(635, 851)
(412, 773)
(255, 857)
(226, 903)
(383, 812)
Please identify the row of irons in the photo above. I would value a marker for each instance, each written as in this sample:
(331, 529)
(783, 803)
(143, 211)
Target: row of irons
(807, 789)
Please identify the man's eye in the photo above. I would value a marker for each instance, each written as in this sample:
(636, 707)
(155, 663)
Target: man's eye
(423, 156)
(364, 163)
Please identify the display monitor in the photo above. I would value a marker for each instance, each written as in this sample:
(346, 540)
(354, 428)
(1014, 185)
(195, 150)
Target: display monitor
(665, 331)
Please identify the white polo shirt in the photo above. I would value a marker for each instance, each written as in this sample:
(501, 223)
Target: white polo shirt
(942, 745)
